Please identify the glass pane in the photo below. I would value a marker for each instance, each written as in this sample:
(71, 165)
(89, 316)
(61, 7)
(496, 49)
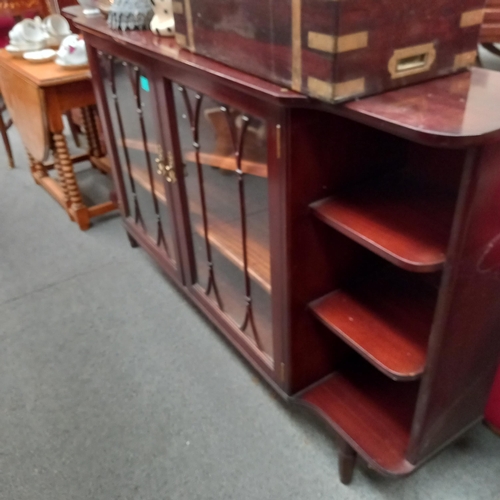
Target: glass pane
(132, 111)
(225, 155)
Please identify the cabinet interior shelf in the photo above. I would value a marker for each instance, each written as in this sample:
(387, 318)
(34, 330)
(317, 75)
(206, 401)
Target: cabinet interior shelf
(386, 318)
(371, 412)
(225, 237)
(229, 163)
(211, 159)
(142, 178)
(400, 218)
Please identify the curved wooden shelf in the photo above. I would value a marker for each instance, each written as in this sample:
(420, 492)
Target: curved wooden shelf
(372, 413)
(401, 219)
(386, 319)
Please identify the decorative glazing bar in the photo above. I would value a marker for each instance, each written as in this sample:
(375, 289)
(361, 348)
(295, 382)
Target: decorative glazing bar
(135, 76)
(112, 80)
(238, 143)
(194, 118)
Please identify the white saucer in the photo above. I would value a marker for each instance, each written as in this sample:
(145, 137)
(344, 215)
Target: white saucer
(40, 56)
(66, 65)
(15, 51)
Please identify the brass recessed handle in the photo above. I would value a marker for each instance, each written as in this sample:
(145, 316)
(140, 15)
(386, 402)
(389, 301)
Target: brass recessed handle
(166, 170)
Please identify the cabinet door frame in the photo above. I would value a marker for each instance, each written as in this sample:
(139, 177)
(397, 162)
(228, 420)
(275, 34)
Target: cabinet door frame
(174, 268)
(274, 117)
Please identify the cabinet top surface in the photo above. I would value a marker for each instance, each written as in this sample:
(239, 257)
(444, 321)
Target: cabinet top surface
(44, 74)
(453, 111)
(457, 110)
(154, 46)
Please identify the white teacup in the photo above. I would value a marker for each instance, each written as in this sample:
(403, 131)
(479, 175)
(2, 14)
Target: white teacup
(72, 51)
(27, 34)
(56, 28)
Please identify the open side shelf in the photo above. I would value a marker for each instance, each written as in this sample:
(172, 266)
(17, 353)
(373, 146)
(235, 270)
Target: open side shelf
(402, 219)
(371, 412)
(387, 319)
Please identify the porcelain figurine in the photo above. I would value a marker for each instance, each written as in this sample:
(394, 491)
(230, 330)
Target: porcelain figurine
(163, 23)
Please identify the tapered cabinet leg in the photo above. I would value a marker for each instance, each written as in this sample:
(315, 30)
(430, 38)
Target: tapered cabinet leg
(347, 462)
(133, 242)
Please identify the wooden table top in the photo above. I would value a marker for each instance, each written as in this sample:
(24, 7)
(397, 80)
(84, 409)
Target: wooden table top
(44, 74)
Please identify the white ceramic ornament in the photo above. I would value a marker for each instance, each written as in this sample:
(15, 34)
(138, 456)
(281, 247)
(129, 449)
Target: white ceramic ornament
(72, 52)
(163, 23)
(130, 15)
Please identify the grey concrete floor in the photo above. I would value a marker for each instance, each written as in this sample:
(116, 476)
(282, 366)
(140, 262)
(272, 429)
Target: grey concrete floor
(113, 388)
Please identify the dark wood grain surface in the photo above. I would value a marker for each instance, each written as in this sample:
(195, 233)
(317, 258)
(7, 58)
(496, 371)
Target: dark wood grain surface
(454, 111)
(334, 50)
(371, 412)
(398, 217)
(387, 318)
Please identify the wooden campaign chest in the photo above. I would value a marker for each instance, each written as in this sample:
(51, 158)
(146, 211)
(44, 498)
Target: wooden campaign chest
(334, 50)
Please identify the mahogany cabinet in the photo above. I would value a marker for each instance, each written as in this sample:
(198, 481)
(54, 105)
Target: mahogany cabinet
(350, 253)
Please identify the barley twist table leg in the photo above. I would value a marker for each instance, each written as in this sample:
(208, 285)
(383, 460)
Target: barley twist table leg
(68, 182)
(36, 168)
(94, 147)
(60, 173)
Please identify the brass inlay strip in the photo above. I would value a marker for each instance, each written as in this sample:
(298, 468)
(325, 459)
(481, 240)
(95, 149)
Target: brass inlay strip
(189, 22)
(401, 65)
(465, 59)
(178, 7)
(321, 41)
(353, 41)
(181, 39)
(349, 88)
(331, 44)
(335, 91)
(296, 45)
(472, 18)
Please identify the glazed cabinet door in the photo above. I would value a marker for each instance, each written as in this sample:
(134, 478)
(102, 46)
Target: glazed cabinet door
(143, 165)
(222, 149)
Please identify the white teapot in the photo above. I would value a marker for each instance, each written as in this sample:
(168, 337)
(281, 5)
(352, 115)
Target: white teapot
(163, 23)
(72, 51)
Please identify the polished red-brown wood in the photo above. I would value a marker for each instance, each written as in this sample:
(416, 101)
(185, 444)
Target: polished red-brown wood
(455, 111)
(334, 50)
(369, 411)
(387, 318)
(490, 29)
(400, 218)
